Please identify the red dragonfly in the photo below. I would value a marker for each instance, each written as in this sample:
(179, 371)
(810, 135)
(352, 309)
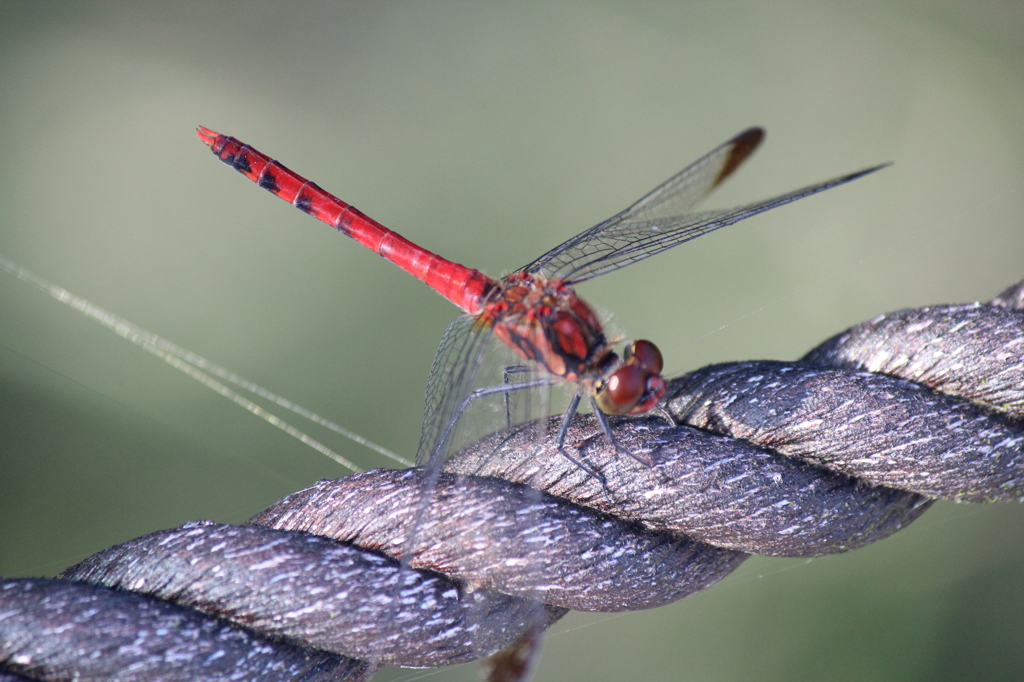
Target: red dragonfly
(535, 310)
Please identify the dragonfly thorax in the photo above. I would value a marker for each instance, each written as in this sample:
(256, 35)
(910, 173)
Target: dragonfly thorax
(546, 322)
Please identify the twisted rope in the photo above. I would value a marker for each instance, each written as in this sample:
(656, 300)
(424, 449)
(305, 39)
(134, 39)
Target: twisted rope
(818, 456)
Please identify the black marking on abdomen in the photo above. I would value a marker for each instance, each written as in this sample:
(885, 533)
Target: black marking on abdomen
(344, 221)
(241, 164)
(304, 202)
(268, 181)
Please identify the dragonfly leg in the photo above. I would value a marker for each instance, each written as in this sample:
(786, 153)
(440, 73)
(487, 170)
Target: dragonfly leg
(602, 419)
(563, 430)
(476, 395)
(510, 371)
(662, 412)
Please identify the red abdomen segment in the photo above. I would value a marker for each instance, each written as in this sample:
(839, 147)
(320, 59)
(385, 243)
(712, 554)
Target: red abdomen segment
(462, 286)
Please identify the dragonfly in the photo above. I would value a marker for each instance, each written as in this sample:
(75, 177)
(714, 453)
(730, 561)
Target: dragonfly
(535, 310)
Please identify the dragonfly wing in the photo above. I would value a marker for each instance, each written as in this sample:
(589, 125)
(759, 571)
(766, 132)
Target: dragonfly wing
(449, 384)
(623, 241)
(683, 190)
(675, 196)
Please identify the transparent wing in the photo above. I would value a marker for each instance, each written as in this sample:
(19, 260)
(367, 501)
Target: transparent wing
(683, 190)
(626, 239)
(450, 382)
(676, 195)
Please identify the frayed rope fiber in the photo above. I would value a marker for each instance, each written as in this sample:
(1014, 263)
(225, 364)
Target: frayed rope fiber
(835, 451)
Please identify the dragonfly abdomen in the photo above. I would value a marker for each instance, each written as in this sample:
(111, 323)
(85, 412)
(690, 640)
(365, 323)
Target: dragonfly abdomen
(465, 287)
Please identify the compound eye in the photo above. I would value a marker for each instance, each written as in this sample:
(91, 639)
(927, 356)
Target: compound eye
(647, 356)
(656, 388)
(622, 391)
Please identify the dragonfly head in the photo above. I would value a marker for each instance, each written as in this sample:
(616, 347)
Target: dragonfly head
(636, 385)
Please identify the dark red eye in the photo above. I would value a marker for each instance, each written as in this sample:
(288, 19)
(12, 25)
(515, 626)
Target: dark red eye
(647, 356)
(656, 388)
(623, 389)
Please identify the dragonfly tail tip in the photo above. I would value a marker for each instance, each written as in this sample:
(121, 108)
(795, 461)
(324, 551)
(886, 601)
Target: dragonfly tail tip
(207, 136)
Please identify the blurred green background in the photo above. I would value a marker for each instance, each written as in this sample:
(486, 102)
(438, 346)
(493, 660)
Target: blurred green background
(490, 132)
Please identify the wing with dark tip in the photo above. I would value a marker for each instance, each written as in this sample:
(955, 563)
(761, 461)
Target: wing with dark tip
(659, 220)
(683, 190)
(622, 242)
(676, 195)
